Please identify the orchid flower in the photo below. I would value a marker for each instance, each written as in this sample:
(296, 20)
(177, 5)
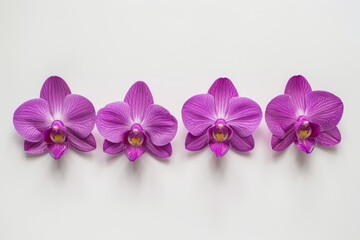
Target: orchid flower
(304, 117)
(220, 119)
(56, 120)
(137, 125)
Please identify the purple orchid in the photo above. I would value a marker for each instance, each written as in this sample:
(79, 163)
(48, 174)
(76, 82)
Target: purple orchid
(137, 125)
(304, 117)
(221, 119)
(56, 120)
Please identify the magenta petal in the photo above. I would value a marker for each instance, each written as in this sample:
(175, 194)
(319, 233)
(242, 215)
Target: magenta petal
(78, 115)
(35, 147)
(298, 87)
(139, 98)
(133, 153)
(306, 145)
(222, 90)
(31, 118)
(113, 121)
(242, 144)
(280, 115)
(243, 115)
(195, 143)
(57, 149)
(324, 108)
(219, 148)
(86, 144)
(329, 138)
(54, 91)
(113, 148)
(279, 144)
(159, 124)
(164, 151)
(198, 113)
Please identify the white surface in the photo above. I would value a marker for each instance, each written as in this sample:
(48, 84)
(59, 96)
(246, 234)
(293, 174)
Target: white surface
(179, 48)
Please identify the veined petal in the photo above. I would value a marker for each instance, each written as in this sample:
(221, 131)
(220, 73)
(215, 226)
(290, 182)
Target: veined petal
(159, 124)
(324, 108)
(35, 147)
(31, 118)
(164, 151)
(133, 153)
(280, 144)
(113, 148)
(78, 115)
(195, 143)
(54, 91)
(57, 149)
(298, 87)
(198, 113)
(329, 138)
(243, 115)
(113, 121)
(242, 144)
(139, 98)
(219, 148)
(86, 144)
(280, 115)
(306, 145)
(222, 90)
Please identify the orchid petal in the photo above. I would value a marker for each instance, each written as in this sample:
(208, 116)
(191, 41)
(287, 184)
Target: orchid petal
(57, 149)
(242, 144)
(35, 147)
(219, 148)
(164, 151)
(78, 115)
(324, 108)
(86, 144)
(280, 144)
(280, 115)
(139, 98)
(195, 143)
(306, 145)
(298, 87)
(159, 124)
(113, 148)
(54, 91)
(113, 121)
(243, 115)
(198, 113)
(222, 90)
(31, 118)
(329, 138)
(133, 153)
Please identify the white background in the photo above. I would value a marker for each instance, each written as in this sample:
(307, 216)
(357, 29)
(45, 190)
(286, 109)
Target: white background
(179, 48)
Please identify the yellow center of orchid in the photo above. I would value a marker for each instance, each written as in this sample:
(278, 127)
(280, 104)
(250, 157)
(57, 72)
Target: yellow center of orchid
(219, 137)
(136, 137)
(220, 132)
(57, 134)
(58, 138)
(303, 134)
(135, 141)
(304, 131)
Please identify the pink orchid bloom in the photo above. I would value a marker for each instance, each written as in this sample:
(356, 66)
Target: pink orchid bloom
(304, 117)
(221, 119)
(137, 125)
(56, 120)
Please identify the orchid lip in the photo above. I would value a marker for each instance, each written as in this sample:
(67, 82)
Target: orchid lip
(220, 132)
(136, 135)
(304, 130)
(56, 133)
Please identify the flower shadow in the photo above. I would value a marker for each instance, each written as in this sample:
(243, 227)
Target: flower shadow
(134, 170)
